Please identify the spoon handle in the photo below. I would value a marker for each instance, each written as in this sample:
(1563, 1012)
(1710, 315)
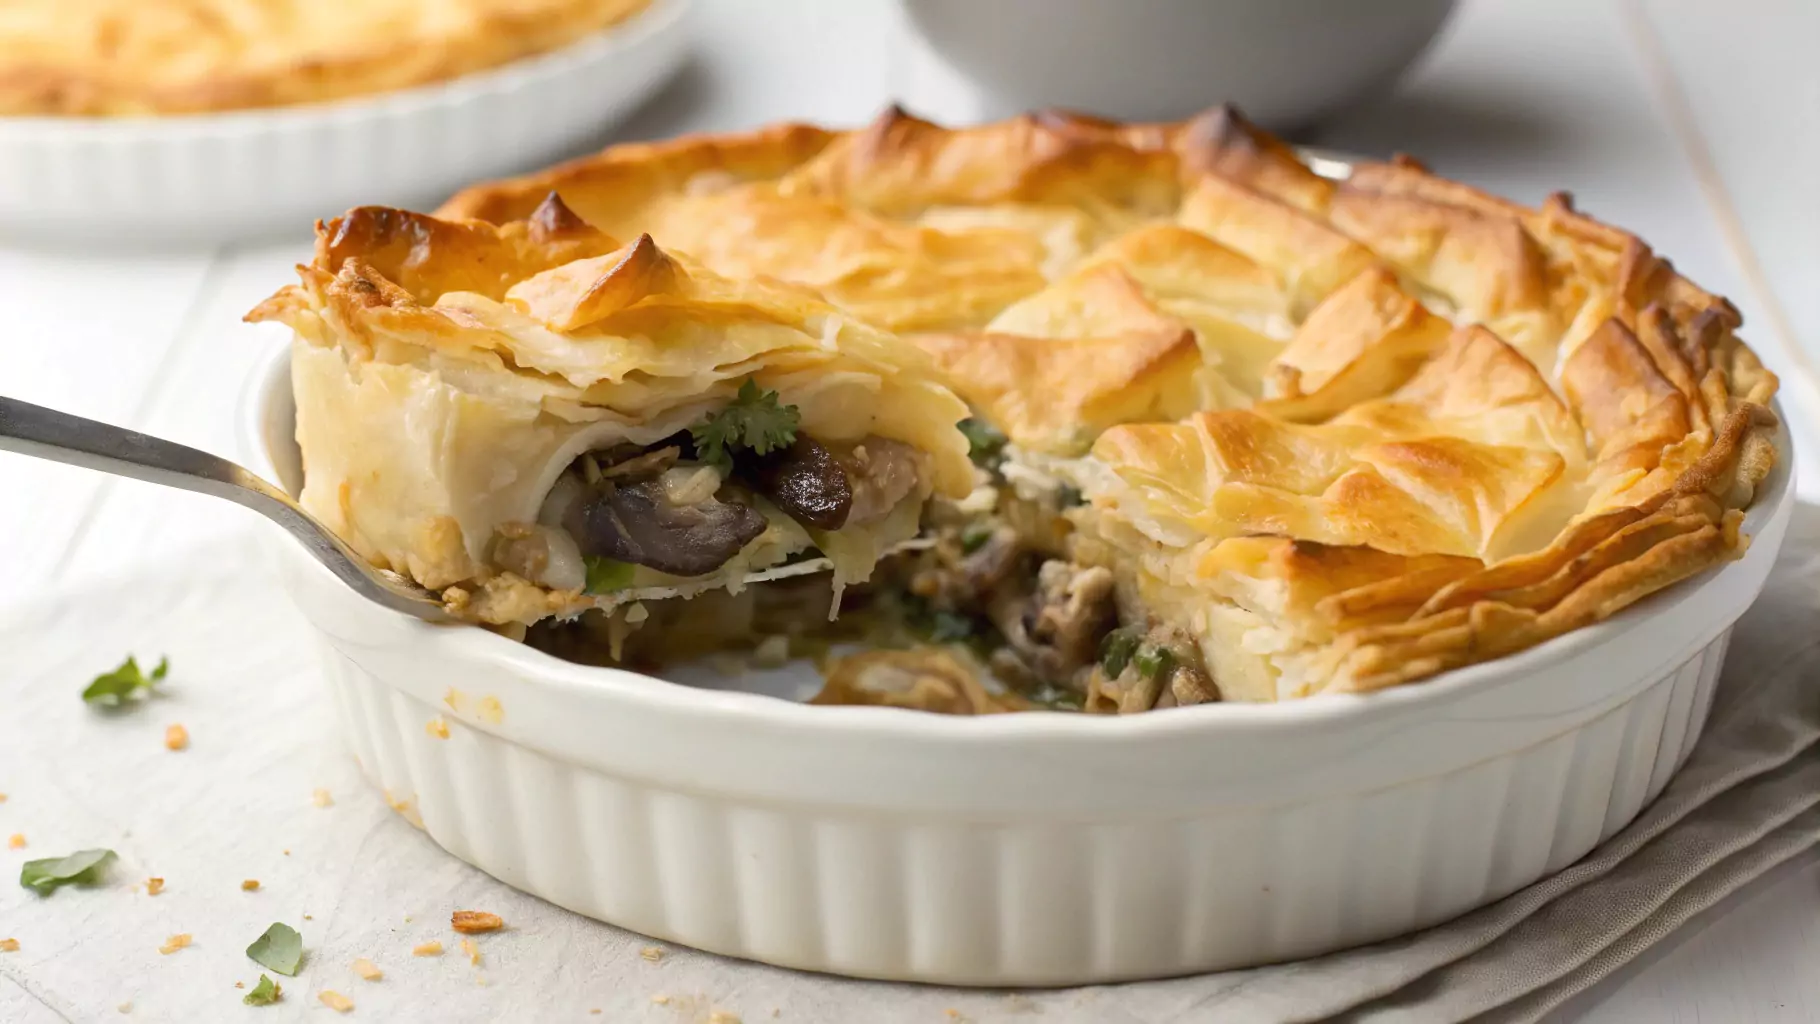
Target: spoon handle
(60, 437)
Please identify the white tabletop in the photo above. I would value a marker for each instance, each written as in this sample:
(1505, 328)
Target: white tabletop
(1696, 124)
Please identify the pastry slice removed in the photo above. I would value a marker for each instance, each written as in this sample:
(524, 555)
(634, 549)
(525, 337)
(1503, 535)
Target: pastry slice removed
(534, 419)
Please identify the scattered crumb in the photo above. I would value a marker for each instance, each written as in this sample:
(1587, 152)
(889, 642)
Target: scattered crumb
(661, 999)
(175, 943)
(407, 919)
(239, 984)
(250, 885)
(2, 798)
(9, 945)
(368, 969)
(16, 840)
(154, 886)
(454, 698)
(473, 922)
(176, 737)
(321, 798)
(427, 949)
(723, 1017)
(287, 853)
(126, 1007)
(482, 981)
(307, 917)
(491, 711)
(437, 727)
(652, 953)
(335, 1000)
(473, 951)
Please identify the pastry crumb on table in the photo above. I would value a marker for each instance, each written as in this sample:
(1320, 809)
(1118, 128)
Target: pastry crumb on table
(474, 922)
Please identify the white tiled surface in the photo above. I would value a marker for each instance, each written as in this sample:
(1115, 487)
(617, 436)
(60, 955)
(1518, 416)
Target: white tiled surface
(1695, 123)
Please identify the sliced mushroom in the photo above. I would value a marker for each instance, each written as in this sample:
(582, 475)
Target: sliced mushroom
(881, 472)
(637, 524)
(806, 482)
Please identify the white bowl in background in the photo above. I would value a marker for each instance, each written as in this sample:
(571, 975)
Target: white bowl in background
(1028, 849)
(1286, 63)
(205, 179)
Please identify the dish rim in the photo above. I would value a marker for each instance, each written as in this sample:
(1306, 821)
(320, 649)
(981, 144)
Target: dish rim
(271, 377)
(246, 122)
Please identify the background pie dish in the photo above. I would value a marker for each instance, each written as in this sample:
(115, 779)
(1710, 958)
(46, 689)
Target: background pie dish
(1331, 436)
(119, 124)
(115, 58)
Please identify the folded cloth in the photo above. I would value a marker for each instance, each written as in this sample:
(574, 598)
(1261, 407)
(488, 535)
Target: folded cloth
(1747, 800)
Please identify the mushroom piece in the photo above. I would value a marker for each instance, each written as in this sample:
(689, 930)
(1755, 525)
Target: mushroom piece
(637, 524)
(1056, 629)
(808, 483)
(881, 472)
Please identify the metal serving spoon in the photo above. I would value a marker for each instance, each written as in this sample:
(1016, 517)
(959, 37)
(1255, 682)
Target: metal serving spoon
(58, 436)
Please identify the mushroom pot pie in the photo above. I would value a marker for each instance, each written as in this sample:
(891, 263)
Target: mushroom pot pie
(536, 420)
(1241, 432)
(114, 58)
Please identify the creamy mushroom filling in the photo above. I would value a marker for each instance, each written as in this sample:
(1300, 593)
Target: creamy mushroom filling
(632, 515)
(1002, 579)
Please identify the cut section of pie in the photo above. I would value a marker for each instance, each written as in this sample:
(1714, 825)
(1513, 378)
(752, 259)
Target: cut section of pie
(535, 419)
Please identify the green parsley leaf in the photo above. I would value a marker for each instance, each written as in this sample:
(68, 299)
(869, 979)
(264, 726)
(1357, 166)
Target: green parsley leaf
(1153, 662)
(974, 536)
(125, 683)
(1068, 496)
(755, 419)
(84, 867)
(1116, 651)
(280, 948)
(985, 443)
(265, 993)
(606, 575)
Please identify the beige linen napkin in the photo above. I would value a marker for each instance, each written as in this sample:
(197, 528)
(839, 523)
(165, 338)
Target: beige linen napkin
(237, 805)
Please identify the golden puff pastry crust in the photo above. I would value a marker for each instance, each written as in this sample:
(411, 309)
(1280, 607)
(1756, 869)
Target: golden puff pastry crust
(116, 58)
(1342, 433)
(450, 375)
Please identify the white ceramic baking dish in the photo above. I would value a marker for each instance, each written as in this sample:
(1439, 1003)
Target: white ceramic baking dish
(212, 178)
(1033, 849)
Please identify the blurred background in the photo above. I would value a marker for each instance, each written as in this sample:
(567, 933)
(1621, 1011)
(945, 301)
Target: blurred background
(1693, 123)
